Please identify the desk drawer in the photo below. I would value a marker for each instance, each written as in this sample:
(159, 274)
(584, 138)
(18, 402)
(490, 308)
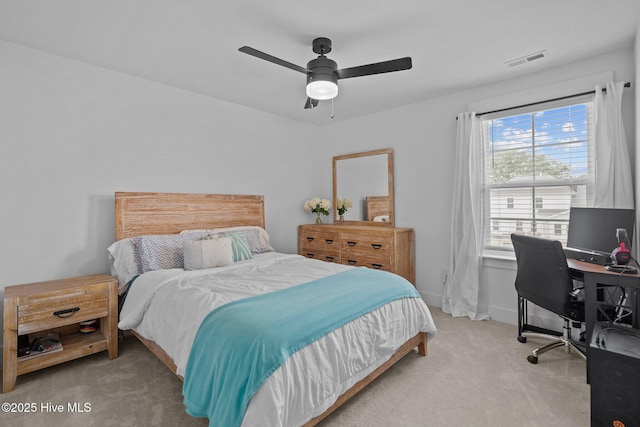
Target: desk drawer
(62, 311)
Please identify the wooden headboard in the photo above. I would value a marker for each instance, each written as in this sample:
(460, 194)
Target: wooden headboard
(139, 214)
(377, 206)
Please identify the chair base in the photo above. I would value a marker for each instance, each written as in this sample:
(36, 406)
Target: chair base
(556, 341)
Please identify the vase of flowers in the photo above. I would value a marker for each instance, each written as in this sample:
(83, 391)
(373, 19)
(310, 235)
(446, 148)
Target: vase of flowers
(343, 205)
(319, 207)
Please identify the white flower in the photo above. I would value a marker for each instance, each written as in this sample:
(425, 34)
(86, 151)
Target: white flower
(318, 205)
(325, 204)
(343, 205)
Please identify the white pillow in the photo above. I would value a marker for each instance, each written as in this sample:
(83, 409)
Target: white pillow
(122, 263)
(211, 253)
(257, 237)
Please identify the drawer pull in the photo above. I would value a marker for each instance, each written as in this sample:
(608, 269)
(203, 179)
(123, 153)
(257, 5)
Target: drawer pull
(309, 239)
(329, 241)
(351, 262)
(350, 243)
(376, 266)
(66, 313)
(310, 255)
(329, 258)
(376, 245)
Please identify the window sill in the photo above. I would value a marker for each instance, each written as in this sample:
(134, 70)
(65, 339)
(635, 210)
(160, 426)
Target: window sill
(499, 259)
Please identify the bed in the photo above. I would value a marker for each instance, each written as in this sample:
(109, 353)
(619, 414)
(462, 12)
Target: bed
(312, 381)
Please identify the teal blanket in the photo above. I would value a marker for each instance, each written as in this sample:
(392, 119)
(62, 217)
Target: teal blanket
(239, 344)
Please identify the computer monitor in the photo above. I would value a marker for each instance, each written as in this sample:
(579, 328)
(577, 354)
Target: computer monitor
(594, 229)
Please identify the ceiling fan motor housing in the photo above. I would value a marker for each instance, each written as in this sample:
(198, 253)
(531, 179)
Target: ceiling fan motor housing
(322, 68)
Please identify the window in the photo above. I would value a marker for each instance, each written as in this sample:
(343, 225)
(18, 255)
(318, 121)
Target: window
(538, 164)
(538, 202)
(557, 229)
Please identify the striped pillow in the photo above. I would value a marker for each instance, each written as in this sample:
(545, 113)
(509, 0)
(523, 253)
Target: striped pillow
(239, 245)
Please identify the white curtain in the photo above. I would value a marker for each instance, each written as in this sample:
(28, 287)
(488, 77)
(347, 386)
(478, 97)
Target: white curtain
(461, 293)
(614, 186)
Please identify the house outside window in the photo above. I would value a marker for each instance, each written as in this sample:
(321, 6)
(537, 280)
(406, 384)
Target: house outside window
(539, 163)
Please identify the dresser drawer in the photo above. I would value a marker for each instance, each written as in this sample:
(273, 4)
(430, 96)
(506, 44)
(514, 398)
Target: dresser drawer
(324, 241)
(62, 311)
(320, 238)
(364, 261)
(369, 245)
(322, 256)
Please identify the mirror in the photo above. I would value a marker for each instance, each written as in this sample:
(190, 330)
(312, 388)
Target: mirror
(366, 179)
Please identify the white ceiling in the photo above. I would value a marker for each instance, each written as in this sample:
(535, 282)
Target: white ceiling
(193, 44)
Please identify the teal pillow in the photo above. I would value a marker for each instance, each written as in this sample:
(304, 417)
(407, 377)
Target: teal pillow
(239, 245)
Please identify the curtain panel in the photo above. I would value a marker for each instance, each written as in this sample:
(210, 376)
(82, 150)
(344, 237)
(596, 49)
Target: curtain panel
(462, 292)
(614, 185)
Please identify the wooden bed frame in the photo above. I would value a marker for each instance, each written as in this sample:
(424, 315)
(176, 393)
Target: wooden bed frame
(138, 214)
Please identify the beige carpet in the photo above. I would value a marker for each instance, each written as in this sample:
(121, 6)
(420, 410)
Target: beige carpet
(476, 374)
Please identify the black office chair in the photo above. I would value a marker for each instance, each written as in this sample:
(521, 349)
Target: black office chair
(544, 279)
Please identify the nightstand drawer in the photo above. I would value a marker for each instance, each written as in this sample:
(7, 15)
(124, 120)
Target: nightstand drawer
(62, 311)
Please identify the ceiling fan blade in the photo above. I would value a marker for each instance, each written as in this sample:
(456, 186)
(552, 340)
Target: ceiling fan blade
(377, 68)
(311, 103)
(258, 54)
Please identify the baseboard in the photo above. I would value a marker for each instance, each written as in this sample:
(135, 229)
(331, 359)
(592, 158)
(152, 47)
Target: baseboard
(430, 298)
(537, 316)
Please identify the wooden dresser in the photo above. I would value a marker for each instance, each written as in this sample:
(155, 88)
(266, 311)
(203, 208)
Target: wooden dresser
(384, 248)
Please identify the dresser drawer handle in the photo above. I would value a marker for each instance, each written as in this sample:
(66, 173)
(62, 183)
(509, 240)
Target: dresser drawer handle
(376, 245)
(309, 239)
(310, 255)
(351, 262)
(329, 258)
(66, 313)
(376, 266)
(329, 241)
(352, 243)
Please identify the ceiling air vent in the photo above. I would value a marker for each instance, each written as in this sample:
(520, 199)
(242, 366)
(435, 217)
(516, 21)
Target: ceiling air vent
(528, 58)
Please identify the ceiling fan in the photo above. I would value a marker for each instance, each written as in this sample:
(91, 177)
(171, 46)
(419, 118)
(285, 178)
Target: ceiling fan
(323, 73)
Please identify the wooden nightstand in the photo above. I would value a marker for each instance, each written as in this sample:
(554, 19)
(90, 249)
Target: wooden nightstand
(59, 306)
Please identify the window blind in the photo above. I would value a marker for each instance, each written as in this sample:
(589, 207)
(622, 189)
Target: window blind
(538, 164)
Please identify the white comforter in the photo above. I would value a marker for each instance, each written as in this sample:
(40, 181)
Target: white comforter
(167, 306)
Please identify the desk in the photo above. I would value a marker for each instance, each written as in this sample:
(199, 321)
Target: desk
(612, 370)
(595, 277)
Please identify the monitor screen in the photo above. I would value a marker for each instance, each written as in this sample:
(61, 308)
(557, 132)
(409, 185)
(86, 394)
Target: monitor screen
(594, 229)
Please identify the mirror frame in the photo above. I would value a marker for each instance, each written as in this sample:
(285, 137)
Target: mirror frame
(389, 153)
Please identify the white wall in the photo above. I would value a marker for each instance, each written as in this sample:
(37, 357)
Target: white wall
(422, 136)
(73, 134)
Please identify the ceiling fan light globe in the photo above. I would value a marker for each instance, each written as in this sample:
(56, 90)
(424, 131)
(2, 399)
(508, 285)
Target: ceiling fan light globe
(322, 90)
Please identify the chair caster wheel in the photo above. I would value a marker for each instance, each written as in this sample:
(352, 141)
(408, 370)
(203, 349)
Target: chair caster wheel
(522, 339)
(532, 359)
